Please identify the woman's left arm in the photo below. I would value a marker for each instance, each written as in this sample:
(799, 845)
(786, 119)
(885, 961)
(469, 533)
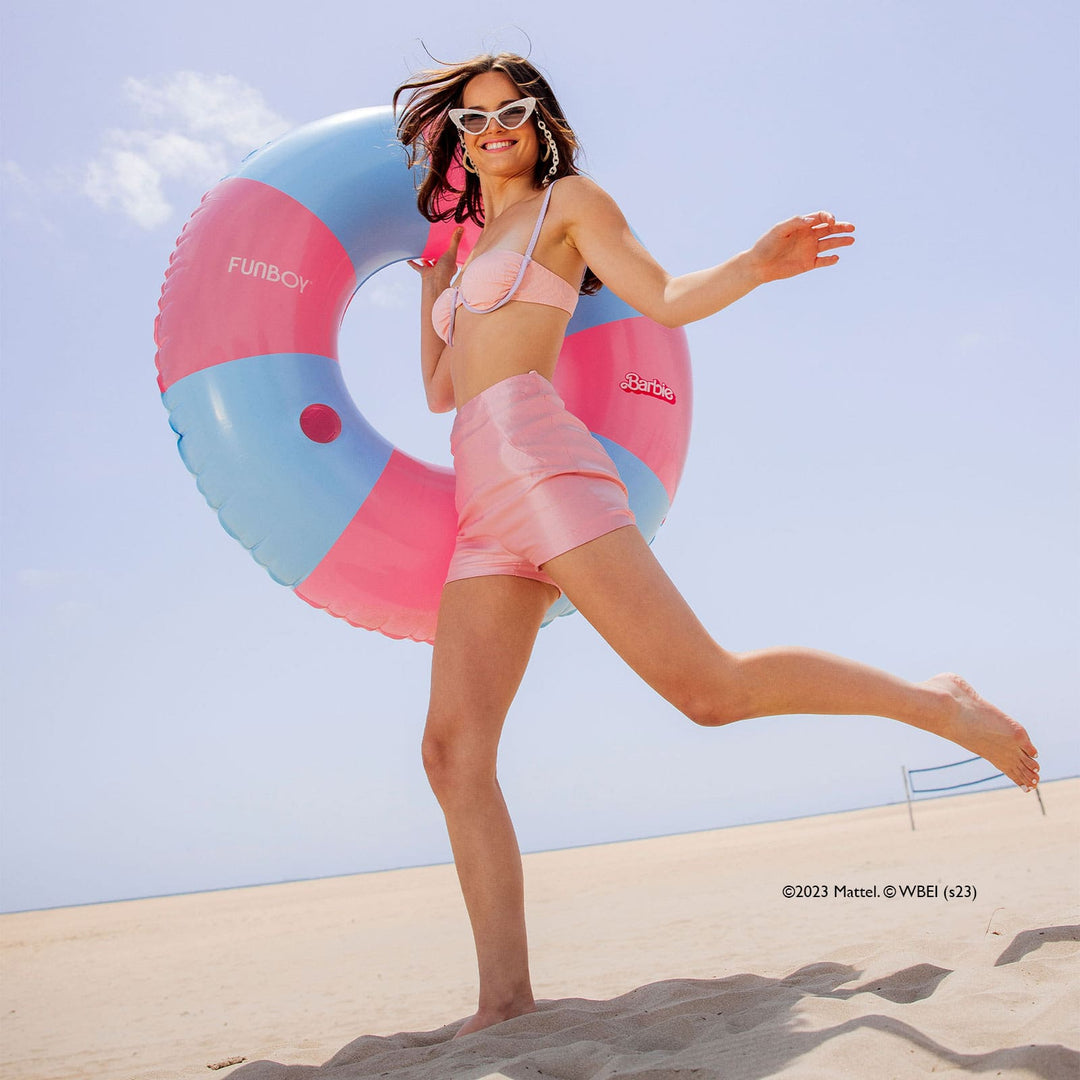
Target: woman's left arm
(597, 229)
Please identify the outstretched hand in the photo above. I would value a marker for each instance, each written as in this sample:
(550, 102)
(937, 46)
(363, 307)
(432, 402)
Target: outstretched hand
(796, 245)
(441, 270)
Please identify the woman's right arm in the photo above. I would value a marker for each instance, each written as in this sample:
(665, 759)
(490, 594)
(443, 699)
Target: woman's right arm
(436, 276)
(599, 232)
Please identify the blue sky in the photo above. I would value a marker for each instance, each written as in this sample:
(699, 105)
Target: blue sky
(883, 463)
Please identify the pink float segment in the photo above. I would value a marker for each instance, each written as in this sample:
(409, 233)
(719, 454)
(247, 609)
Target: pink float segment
(254, 273)
(439, 236)
(649, 359)
(386, 570)
(440, 233)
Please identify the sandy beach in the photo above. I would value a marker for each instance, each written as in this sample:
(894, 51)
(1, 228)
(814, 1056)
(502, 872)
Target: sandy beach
(672, 957)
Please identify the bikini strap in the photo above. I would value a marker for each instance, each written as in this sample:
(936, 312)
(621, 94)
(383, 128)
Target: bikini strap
(540, 220)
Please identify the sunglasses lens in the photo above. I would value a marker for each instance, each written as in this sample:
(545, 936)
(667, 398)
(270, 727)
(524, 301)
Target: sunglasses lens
(474, 122)
(513, 116)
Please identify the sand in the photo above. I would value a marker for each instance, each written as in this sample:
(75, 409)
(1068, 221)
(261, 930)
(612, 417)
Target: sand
(673, 957)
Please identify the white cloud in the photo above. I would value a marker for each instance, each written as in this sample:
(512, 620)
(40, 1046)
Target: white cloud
(195, 126)
(217, 107)
(126, 179)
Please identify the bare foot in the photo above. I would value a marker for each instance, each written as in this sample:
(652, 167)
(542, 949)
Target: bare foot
(985, 730)
(487, 1017)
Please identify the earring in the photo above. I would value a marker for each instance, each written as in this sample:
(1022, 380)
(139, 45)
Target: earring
(466, 161)
(550, 151)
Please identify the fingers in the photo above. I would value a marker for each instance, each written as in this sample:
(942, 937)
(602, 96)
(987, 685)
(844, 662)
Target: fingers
(421, 266)
(821, 220)
(823, 217)
(825, 226)
(824, 222)
(825, 244)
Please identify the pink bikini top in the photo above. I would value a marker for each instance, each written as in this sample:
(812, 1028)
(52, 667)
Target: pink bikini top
(497, 277)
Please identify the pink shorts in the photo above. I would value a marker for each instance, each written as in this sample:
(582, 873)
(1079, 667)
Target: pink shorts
(532, 483)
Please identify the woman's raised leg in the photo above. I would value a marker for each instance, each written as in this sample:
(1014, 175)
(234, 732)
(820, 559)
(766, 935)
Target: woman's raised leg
(486, 630)
(617, 584)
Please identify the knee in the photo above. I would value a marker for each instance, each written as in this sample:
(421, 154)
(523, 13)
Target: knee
(712, 712)
(453, 770)
(718, 700)
(438, 757)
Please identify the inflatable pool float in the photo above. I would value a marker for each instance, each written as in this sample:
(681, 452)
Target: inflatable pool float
(247, 365)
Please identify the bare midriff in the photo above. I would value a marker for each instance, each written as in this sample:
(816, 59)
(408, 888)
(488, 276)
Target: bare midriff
(518, 338)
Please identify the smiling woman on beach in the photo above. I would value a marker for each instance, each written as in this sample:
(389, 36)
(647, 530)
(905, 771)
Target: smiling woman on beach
(540, 506)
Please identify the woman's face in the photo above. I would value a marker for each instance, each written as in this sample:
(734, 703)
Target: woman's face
(496, 151)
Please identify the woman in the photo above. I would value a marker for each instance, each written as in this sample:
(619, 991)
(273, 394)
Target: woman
(540, 505)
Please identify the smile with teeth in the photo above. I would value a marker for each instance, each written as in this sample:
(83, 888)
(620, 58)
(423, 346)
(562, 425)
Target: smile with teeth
(498, 144)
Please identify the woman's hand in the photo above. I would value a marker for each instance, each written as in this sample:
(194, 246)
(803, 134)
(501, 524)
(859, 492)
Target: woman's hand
(440, 272)
(796, 245)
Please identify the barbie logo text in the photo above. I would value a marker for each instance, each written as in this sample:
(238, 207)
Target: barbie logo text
(635, 384)
(268, 272)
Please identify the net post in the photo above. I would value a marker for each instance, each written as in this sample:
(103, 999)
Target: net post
(907, 795)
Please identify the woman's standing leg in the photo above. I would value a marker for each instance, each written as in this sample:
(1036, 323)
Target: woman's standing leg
(486, 630)
(617, 584)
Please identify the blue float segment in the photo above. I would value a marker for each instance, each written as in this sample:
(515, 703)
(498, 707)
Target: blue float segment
(598, 310)
(350, 171)
(285, 497)
(648, 501)
(648, 497)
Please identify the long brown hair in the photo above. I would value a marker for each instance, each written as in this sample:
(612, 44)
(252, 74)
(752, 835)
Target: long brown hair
(425, 129)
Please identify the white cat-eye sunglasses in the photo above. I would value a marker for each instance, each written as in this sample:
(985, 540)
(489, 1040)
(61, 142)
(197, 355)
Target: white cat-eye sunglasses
(475, 121)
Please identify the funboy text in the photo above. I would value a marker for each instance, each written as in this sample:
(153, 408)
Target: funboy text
(268, 272)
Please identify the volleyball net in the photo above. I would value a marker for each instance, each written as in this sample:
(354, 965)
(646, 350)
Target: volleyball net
(911, 789)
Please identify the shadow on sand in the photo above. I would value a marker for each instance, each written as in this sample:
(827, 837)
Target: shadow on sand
(743, 1027)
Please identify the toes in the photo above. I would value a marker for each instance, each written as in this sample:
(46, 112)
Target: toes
(1029, 773)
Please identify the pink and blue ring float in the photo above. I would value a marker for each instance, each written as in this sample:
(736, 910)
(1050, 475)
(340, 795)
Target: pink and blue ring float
(247, 360)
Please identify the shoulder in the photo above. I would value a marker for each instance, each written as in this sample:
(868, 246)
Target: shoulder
(585, 210)
(579, 203)
(579, 191)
